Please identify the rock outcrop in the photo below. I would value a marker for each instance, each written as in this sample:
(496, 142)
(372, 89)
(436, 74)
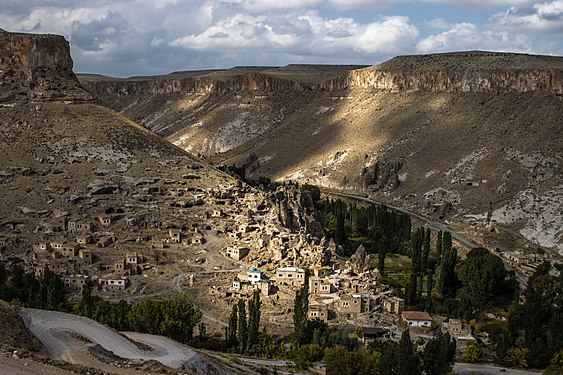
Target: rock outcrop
(37, 67)
(473, 71)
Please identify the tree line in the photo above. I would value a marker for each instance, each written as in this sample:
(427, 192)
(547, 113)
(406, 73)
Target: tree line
(174, 317)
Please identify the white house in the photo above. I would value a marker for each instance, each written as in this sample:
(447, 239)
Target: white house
(417, 318)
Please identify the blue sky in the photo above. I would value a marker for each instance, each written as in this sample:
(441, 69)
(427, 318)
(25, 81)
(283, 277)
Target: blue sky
(145, 37)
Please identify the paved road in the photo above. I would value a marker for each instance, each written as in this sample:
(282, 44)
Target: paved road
(482, 369)
(268, 362)
(434, 224)
(522, 280)
(51, 328)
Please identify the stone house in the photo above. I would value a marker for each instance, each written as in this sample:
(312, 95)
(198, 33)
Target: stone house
(371, 334)
(84, 239)
(86, 256)
(105, 220)
(75, 283)
(115, 284)
(79, 225)
(175, 235)
(105, 241)
(393, 305)
(319, 285)
(461, 332)
(417, 318)
(318, 310)
(69, 250)
(349, 304)
(119, 265)
(133, 259)
(41, 247)
(290, 276)
(237, 253)
(57, 245)
(320, 271)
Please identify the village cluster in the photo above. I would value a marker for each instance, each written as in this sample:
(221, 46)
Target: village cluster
(251, 232)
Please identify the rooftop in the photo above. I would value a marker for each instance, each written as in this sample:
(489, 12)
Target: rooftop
(416, 315)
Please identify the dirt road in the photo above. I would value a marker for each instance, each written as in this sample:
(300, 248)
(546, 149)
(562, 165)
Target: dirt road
(53, 329)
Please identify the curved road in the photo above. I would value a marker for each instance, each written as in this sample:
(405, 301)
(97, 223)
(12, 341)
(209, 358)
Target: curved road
(52, 329)
(434, 224)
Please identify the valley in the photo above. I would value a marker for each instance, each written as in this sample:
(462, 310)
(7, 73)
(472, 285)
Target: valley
(235, 211)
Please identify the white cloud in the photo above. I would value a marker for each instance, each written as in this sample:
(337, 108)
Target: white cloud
(125, 37)
(468, 36)
(309, 34)
(542, 17)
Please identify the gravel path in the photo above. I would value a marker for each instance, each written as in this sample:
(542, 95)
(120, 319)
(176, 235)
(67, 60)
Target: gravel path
(51, 329)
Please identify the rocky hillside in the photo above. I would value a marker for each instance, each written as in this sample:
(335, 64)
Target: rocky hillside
(470, 138)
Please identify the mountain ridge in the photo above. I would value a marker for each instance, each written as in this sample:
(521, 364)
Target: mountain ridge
(465, 137)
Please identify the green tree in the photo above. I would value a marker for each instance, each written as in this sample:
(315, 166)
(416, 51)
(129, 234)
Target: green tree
(409, 362)
(483, 276)
(254, 320)
(473, 352)
(300, 311)
(86, 302)
(516, 357)
(439, 353)
(231, 335)
(242, 327)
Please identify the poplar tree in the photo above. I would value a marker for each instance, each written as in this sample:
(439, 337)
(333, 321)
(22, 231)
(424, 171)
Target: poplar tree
(242, 329)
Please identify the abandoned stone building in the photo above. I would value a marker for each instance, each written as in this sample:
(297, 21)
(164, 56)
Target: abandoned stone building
(293, 276)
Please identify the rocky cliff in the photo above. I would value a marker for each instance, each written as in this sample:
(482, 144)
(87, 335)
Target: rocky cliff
(455, 72)
(37, 67)
(464, 72)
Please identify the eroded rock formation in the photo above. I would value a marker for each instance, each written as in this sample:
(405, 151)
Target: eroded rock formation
(37, 67)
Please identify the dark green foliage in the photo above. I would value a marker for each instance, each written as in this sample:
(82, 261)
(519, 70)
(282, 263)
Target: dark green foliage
(313, 191)
(537, 323)
(86, 303)
(174, 317)
(231, 335)
(254, 321)
(446, 277)
(380, 230)
(242, 327)
(300, 310)
(400, 358)
(483, 276)
(439, 353)
(342, 361)
(25, 289)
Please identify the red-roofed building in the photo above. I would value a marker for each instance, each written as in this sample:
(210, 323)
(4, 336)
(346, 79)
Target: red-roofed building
(417, 318)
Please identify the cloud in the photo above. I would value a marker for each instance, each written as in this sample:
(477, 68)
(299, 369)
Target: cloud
(308, 34)
(127, 37)
(468, 36)
(541, 18)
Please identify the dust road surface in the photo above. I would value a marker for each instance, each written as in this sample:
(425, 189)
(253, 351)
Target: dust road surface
(52, 329)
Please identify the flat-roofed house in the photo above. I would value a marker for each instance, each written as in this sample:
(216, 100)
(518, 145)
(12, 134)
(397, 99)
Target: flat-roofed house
(290, 276)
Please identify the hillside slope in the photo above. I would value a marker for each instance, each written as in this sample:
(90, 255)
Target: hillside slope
(471, 138)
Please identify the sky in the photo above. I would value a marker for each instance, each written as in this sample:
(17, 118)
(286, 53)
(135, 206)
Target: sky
(146, 37)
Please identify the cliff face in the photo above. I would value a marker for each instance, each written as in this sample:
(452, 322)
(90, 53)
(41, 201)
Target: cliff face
(496, 81)
(36, 67)
(456, 72)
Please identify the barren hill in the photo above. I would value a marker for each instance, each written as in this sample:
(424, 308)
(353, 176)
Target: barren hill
(471, 138)
(92, 195)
